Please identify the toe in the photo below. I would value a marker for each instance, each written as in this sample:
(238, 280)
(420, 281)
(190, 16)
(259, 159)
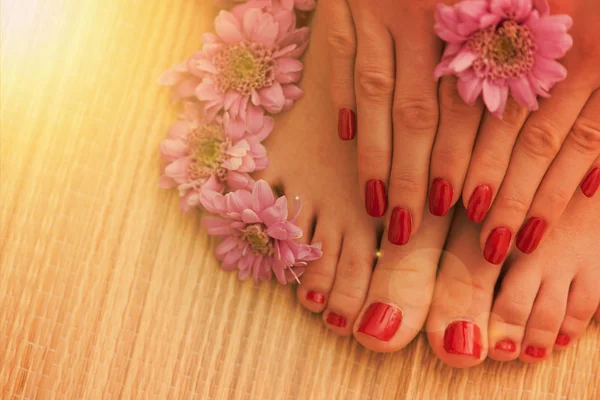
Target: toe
(316, 283)
(581, 305)
(458, 319)
(512, 309)
(401, 288)
(544, 322)
(352, 278)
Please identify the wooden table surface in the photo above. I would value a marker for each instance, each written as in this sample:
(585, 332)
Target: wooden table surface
(108, 291)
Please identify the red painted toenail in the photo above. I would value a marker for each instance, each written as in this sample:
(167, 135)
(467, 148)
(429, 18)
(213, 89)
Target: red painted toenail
(591, 183)
(336, 320)
(381, 321)
(316, 297)
(531, 235)
(506, 345)
(375, 198)
(563, 339)
(497, 245)
(536, 352)
(463, 338)
(479, 204)
(346, 124)
(400, 226)
(440, 197)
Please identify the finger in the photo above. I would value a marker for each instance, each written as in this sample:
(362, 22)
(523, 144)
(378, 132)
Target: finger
(454, 141)
(490, 159)
(415, 118)
(580, 150)
(341, 38)
(537, 145)
(374, 86)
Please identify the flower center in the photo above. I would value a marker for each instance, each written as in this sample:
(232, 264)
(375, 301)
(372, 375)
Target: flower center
(505, 52)
(207, 148)
(260, 243)
(244, 67)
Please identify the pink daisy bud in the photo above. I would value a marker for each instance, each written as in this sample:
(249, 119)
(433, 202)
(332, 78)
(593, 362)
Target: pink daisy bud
(251, 65)
(213, 156)
(258, 237)
(502, 47)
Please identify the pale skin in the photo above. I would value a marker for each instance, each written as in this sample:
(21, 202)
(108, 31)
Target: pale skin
(553, 291)
(412, 130)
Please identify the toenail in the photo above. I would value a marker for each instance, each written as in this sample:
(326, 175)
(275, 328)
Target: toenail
(531, 235)
(463, 338)
(316, 297)
(479, 203)
(336, 320)
(536, 352)
(381, 321)
(591, 183)
(347, 124)
(400, 226)
(440, 197)
(497, 245)
(506, 345)
(375, 198)
(563, 339)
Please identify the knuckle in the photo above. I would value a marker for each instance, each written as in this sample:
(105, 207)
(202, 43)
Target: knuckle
(512, 203)
(415, 115)
(514, 115)
(491, 160)
(406, 184)
(450, 100)
(541, 141)
(557, 200)
(452, 158)
(374, 83)
(370, 157)
(341, 44)
(586, 135)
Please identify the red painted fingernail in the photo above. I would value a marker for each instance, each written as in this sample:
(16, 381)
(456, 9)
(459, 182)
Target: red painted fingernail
(375, 198)
(591, 183)
(336, 320)
(463, 338)
(479, 203)
(400, 226)
(497, 245)
(506, 345)
(536, 352)
(347, 124)
(563, 339)
(381, 321)
(316, 297)
(531, 235)
(440, 197)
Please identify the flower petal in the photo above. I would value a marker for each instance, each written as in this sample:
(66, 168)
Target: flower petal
(522, 92)
(470, 88)
(262, 196)
(491, 96)
(228, 28)
(463, 60)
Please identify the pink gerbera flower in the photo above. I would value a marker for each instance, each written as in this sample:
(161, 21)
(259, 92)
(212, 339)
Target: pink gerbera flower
(251, 65)
(258, 237)
(501, 46)
(210, 156)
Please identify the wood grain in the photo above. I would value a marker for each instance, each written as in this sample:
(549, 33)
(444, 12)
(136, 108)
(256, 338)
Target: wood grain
(108, 291)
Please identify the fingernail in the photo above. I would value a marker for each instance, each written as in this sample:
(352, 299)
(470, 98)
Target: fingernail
(347, 124)
(336, 320)
(531, 235)
(440, 197)
(563, 339)
(536, 352)
(316, 297)
(375, 198)
(463, 338)
(400, 226)
(506, 345)
(590, 184)
(497, 245)
(381, 321)
(479, 203)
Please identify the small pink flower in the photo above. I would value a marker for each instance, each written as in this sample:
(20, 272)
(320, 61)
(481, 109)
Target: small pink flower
(251, 65)
(501, 46)
(258, 238)
(211, 156)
